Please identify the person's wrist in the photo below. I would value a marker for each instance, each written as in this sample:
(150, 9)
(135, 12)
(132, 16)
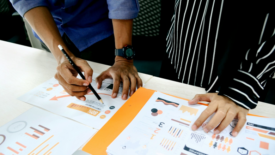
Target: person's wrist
(122, 59)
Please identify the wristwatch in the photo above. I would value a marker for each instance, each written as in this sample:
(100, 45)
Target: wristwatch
(126, 52)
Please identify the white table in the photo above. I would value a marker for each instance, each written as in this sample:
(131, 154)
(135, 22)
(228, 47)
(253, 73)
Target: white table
(23, 68)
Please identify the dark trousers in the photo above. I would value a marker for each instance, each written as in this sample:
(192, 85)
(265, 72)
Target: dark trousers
(101, 52)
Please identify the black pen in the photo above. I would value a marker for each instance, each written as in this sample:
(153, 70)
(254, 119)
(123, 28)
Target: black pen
(79, 72)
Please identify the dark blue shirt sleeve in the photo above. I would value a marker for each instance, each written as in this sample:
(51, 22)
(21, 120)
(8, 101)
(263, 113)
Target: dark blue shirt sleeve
(123, 9)
(22, 6)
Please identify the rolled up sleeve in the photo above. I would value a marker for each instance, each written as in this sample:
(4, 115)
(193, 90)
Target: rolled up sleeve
(123, 9)
(23, 6)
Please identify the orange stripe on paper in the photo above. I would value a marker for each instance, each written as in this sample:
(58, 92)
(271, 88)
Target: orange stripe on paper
(266, 136)
(42, 149)
(1, 154)
(51, 149)
(13, 150)
(185, 120)
(38, 133)
(21, 145)
(31, 135)
(41, 144)
(256, 129)
(249, 138)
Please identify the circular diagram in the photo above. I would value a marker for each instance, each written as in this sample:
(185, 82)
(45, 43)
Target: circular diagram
(17, 126)
(112, 107)
(156, 112)
(107, 112)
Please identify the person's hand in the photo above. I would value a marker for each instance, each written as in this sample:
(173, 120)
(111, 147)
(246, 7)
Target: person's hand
(226, 110)
(125, 71)
(66, 75)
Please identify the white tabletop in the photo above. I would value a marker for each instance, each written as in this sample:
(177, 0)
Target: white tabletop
(23, 68)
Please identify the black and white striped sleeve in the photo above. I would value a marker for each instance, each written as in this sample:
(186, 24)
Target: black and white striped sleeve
(250, 80)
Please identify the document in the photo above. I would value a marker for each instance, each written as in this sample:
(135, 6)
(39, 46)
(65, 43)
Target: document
(163, 127)
(38, 132)
(52, 97)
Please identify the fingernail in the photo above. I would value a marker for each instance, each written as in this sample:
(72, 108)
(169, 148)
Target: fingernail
(82, 98)
(124, 97)
(194, 127)
(85, 84)
(132, 92)
(90, 78)
(205, 130)
(114, 94)
(98, 85)
(89, 90)
(216, 132)
(235, 134)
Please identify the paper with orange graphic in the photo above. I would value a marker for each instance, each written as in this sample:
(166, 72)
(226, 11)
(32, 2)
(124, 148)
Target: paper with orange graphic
(85, 109)
(87, 112)
(41, 133)
(192, 111)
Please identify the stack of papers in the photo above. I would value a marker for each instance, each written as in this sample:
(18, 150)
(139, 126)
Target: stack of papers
(163, 127)
(42, 133)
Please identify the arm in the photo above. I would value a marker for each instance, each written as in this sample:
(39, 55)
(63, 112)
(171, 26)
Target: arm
(41, 21)
(123, 69)
(243, 92)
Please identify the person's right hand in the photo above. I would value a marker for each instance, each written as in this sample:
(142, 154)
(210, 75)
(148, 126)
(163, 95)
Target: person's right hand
(66, 75)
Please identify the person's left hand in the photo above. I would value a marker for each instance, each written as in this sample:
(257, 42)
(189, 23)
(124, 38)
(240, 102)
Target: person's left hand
(226, 110)
(125, 71)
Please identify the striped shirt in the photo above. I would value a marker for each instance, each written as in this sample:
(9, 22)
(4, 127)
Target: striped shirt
(225, 47)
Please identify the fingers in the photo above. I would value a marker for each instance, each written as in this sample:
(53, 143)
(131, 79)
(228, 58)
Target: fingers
(227, 120)
(139, 81)
(126, 85)
(133, 84)
(88, 71)
(116, 79)
(73, 90)
(104, 75)
(200, 97)
(204, 115)
(240, 124)
(216, 119)
(67, 75)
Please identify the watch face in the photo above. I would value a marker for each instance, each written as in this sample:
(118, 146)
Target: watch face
(129, 52)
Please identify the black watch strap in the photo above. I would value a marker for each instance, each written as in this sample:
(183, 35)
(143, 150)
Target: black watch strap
(119, 52)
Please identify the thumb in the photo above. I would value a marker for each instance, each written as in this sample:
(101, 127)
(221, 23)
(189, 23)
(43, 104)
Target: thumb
(200, 97)
(100, 78)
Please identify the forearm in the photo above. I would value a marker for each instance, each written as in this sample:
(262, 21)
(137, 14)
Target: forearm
(43, 24)
(122, 32)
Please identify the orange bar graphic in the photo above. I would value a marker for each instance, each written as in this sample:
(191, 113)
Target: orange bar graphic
(1, 154)
(42, 149)
(185, 120)
(41, 144)
(176, 132)
(20, 149)
(21, 145)
(45, 129)
(49, 153)
(180, 133)
(13, 150)
(172, 130)
(51, 149)
(31, 135)
(266, 136)
(255, 129)
(249, 138)
(164, 142)
(171, 145)
(39, 132)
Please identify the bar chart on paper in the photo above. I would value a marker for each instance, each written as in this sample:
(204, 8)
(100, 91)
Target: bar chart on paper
(38, 132)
